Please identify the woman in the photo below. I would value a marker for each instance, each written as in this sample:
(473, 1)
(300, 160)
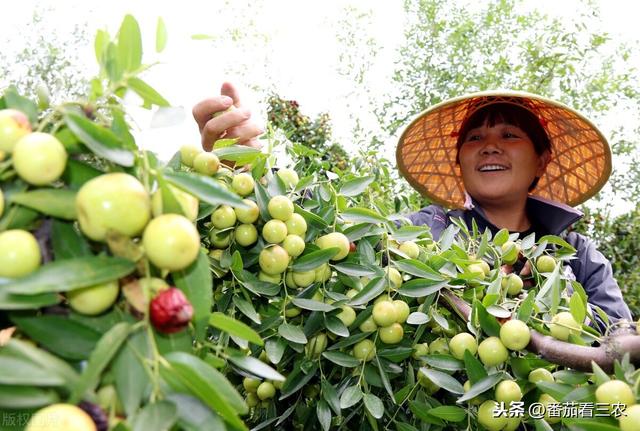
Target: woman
(515, 161)
(508, 160)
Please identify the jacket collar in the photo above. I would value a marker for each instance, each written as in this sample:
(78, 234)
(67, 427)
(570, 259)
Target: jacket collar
(554, 217)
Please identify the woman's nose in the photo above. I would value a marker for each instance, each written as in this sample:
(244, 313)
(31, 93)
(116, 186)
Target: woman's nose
(491, 146)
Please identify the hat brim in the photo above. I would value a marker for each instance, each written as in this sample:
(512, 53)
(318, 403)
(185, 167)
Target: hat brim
(579, 167)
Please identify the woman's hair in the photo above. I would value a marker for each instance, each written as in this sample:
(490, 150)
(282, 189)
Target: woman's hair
(508, 113)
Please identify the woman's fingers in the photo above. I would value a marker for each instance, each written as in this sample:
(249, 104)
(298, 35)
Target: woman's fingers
(232, 124)
(214, 123)
(228, 89)
(203, 111)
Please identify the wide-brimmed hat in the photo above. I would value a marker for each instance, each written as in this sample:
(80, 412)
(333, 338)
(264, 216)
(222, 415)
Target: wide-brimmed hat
(580, 157)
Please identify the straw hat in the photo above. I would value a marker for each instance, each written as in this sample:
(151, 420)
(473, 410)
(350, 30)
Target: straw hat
(580, 158)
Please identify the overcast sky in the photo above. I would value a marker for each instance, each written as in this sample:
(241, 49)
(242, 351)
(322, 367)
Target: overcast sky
(293, 40)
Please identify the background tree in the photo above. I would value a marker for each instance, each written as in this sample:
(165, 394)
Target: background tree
(48, 61)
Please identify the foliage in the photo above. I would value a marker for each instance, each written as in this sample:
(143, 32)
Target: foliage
(618, 238)
(48, 61)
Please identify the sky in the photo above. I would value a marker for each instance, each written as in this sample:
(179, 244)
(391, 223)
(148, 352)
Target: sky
(288, 43)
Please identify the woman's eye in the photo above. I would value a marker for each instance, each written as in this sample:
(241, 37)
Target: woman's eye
(473, 137)
(510, 135)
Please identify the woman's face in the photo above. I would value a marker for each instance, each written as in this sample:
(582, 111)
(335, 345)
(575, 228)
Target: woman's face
(499, 163)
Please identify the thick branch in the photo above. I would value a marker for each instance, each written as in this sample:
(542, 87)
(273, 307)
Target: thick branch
(567, 354)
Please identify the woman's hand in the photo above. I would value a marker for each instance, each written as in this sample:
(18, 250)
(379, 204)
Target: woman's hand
(230, 123)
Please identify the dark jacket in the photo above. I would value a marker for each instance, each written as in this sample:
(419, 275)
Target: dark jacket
(590, 267)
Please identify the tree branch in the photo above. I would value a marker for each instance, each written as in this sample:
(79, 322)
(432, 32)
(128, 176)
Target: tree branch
(567, 354)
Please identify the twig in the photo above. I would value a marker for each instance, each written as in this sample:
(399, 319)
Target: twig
(559, 352)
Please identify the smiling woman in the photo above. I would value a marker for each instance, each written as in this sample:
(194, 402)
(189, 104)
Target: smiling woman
(515, 161)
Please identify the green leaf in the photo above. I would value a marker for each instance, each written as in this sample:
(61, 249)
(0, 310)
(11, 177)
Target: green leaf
(17, 371)
(25, 397)
(443, 380)
(362, 215)
(104, 351)
(129, 44)
(131, 379)
(204, 188)
(14, 100)
(120, 127)
(256, 366)
(100, 44)
(553, 239)
(275, 349)
(395, 354)
(54, 332)
(149, 94)
(421, 287)
(260, 287)
(247, 309)
(357, 231)
(449, 413)
(59, 203)
(235, 328)
(350, 397)
(374, 405)
(526, 308)
(193, 414)
(372, 290)
(354, 270)
(208, 385)
(310, 304)
(45, 360)
(296, 380)
(312, 260)
(159, 416)
(488, 323)
(161, 35)
(555, 389)
(417, 318)
(77, 173)
(409, 233)
(418, 269)
(323, 412)
(102, 141)
(66, 275)
(443, 362)
(342, 359)
(196, 281)
(292, 333)
(501, 237)
(10, 301)
(475, 369)
(309, 217)
(481, 386)
(67, 242)
(336, 326)
(577, 307)
(356, 186)
(168, 199)
(240, 154)
(330, 394)
(223, 143)
(346, 342)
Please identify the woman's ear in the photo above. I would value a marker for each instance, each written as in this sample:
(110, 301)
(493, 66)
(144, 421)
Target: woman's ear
(543, 161)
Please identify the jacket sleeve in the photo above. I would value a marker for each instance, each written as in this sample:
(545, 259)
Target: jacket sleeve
(433, 216)
(594, 272)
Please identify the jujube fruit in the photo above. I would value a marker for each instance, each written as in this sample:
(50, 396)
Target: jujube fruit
(19, 253)
(39, 158)
(115, 201)
(171, 242)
